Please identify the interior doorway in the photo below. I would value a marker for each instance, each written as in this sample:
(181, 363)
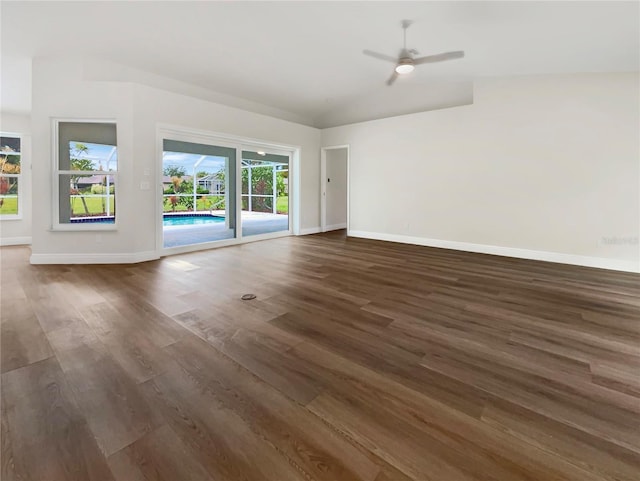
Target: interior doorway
(334, 173)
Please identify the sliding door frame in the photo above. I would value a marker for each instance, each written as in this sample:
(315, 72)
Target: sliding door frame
(172, 132)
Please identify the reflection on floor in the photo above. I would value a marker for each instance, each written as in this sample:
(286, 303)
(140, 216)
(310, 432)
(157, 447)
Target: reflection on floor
(253, 223)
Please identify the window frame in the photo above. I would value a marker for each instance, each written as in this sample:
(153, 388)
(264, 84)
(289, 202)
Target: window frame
(20, 196)
(56, 225)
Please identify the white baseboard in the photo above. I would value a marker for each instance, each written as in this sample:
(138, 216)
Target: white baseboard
(335, 227)
(15, 241)
(129, 258)
(310, 230)
(598, 262)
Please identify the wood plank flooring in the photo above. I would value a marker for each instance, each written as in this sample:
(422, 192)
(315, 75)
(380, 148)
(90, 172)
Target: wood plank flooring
(359, 360)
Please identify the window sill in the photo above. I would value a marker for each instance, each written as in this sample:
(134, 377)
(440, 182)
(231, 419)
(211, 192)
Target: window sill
(80, 227)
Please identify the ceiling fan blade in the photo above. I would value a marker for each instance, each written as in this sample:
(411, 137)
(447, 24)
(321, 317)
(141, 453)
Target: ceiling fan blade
(393, 78)
(380, 56)
(441, 57)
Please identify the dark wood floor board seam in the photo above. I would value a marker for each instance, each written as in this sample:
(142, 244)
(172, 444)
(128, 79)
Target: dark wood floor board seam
(27, 364)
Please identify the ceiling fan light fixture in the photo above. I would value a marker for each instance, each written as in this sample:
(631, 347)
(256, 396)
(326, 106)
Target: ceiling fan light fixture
(406, 62)
(404, 68)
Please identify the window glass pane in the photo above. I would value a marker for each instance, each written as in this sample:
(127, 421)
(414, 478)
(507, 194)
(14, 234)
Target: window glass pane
(261, 180)
(9, 155)
(99, 138)
(8, 195)
(265, 189)
(10, 144)
(184, 173)
(245, 181)
(87, 198)
(198, 202)
(87, 156)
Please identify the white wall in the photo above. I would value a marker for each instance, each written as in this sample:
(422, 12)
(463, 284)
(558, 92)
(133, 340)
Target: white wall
(154, 106)
(541, 167)
(336, 188)
(60, 90)
(18, 231)
(102, 70)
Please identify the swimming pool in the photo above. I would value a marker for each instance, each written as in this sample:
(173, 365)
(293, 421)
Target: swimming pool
(176, 220)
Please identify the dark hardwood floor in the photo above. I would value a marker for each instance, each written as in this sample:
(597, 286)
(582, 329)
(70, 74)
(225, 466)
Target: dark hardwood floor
(359, 360)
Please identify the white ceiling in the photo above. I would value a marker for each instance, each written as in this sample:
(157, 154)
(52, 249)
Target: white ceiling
(305, 57)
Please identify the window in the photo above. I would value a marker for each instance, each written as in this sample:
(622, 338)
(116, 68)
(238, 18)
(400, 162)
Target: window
(10, 177)
(86, 175)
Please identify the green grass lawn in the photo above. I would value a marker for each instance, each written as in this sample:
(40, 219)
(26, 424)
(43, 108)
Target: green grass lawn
(282, 205)
(9, 206)
(94, 205)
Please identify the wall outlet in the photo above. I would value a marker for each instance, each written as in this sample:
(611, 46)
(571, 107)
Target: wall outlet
(145, 185)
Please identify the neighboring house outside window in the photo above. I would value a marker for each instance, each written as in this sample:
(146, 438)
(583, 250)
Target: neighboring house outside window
(212, 183)
(10, 176)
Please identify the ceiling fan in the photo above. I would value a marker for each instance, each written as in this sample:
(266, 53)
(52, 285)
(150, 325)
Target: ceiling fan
(405, 62)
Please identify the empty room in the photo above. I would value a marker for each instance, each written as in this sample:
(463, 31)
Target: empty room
(320, 241)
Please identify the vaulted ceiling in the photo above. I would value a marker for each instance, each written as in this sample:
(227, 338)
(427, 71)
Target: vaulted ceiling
(306, 57)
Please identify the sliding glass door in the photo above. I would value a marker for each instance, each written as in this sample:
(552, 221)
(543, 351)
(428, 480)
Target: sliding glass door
(199, 193)
(218, 191)
(265, 192)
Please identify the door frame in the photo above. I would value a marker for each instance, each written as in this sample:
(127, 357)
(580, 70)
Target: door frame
(323, 184)
(166, 131)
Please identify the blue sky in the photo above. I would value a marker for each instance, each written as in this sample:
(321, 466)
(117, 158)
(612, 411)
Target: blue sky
(98, 153)
(209, 164)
